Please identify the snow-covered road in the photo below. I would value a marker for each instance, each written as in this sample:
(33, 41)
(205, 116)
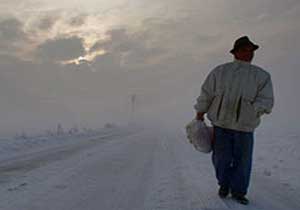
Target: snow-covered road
(150, 169)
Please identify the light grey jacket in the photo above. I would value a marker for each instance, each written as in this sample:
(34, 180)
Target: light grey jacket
(235, 95)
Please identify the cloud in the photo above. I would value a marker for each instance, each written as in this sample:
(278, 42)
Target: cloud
(11, 35)
(48, 21)
(11, 29)
(129, 50)
(78, 20)
(118, 40)
(154, 44)
(61, 49)
(109, 62)
(181, 34)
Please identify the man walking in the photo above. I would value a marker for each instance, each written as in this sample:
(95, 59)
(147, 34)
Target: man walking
(235, 95)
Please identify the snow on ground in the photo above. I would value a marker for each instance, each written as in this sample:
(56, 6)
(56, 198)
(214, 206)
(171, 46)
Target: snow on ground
(277, 157)
(10, 147)
(150, 168)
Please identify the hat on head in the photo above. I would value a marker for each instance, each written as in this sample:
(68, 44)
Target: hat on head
(241, 42)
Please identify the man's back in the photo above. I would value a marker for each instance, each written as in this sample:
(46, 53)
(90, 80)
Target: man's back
(237, 92)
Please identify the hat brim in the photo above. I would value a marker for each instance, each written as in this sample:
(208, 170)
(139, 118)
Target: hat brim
(255, 47)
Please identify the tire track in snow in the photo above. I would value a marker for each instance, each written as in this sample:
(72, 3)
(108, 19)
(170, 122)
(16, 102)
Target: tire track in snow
(17, 166)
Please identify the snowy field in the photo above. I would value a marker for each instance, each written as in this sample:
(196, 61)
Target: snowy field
(135, 169)
(10, 147)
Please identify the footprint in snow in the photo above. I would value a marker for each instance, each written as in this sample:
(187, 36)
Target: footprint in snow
(286, 184)
(17, 187)
(260, 158)
(60, 187)
(267, 172)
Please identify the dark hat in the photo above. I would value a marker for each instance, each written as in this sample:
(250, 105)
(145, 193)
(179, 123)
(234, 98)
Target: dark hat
(241, 42)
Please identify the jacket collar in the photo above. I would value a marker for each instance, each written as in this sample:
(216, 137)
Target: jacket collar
(241, 62)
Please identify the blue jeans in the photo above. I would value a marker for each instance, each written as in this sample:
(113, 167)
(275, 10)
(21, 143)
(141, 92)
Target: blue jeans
(232, 158)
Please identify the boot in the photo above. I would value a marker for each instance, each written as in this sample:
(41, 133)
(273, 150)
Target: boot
(223, 191)
(240, 198)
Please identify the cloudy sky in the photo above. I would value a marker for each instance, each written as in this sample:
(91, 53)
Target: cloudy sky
(79, 62)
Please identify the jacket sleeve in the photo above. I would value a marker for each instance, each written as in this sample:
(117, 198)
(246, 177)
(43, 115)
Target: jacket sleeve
(264, 100)
(207, 94)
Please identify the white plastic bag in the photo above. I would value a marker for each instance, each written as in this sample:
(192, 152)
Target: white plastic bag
(200, 135)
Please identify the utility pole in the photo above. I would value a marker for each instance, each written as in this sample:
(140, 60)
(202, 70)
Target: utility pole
(133, 105)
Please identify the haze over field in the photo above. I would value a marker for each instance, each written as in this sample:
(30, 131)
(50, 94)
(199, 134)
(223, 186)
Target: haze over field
(81, 62)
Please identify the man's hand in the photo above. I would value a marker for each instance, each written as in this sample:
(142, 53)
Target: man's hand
(200, 116)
